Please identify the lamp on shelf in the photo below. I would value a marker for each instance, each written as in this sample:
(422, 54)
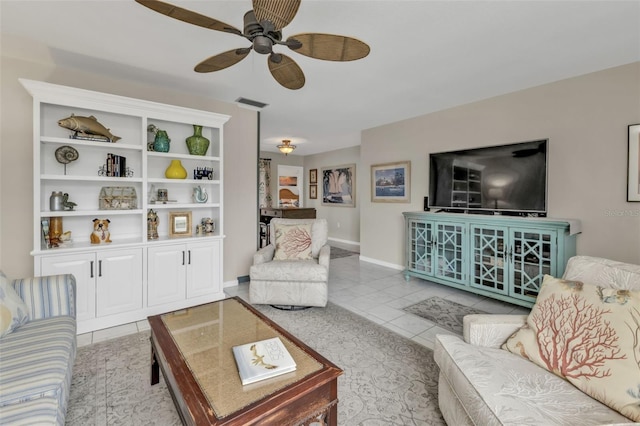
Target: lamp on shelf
(286, 147)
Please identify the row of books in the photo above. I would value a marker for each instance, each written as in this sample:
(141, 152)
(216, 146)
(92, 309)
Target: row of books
(116, 165)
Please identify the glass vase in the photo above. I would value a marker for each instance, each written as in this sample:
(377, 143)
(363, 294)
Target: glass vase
(161, 143)
(197, 144)
(175, 170)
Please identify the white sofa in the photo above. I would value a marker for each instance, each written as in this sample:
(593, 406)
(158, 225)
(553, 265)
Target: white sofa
(36, 358)
(481, 384)
(292, 282)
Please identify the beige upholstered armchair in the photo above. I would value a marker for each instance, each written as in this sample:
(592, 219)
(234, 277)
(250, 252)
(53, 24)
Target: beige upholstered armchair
(293, 270)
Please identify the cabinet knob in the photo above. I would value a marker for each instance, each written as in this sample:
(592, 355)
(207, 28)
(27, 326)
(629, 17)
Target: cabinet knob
(91, 269)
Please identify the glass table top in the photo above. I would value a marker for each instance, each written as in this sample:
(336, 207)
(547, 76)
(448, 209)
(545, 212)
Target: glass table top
(205, 335)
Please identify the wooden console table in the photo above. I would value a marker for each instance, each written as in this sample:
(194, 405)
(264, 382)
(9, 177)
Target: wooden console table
(288, 213)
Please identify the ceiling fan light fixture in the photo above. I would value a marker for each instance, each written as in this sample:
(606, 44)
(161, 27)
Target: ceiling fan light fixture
(286, 147)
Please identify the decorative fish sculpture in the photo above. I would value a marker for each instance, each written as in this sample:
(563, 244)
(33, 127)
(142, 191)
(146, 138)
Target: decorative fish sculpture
(87, 126)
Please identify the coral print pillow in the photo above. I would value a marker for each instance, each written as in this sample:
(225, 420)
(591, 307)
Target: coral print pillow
(588, 335)
(293, 242)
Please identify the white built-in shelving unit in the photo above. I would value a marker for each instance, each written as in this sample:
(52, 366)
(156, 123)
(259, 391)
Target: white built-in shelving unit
(133, 276)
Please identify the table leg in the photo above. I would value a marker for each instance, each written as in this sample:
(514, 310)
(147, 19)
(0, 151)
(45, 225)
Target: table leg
(155, 367)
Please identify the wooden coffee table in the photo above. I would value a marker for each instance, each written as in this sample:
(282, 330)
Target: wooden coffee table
(192, 347)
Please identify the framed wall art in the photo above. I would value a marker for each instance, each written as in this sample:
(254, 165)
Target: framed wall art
(339, 186)
(179, 224)
(313, 176)
(391, 182)
(633, 165)
(290, 186)
(313, 192)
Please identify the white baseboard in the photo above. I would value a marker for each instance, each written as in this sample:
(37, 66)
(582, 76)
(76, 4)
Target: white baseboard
(232, 283)
(338, 240)
(381, 263)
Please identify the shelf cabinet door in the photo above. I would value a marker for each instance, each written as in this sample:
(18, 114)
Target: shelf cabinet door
(489, 268)
(450, 253)
(533, 254)
(166, 274)
(203, 270)
(420, 244)
(119, 281)
(82, 266)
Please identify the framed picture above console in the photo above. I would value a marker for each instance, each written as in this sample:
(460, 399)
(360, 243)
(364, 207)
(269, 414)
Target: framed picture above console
(633, 165)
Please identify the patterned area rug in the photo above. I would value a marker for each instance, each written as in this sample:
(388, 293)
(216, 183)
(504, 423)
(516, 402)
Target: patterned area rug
(387, 380)
(337, 252)
(444, 313)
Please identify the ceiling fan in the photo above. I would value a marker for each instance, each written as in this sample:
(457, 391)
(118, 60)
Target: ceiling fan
(262, 27)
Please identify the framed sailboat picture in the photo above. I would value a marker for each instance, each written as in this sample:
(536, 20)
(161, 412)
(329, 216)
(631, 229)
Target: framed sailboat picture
(339, 186)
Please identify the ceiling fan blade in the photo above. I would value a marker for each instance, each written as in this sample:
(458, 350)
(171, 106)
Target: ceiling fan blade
(286, 71)
(222, 60)
(329, 47)
(188, 16)
(279, 12)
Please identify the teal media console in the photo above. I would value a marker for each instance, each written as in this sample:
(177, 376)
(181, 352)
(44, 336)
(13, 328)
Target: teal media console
(502, 257)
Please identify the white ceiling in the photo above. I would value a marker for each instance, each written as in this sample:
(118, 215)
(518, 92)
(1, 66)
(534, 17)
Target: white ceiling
(425, 55)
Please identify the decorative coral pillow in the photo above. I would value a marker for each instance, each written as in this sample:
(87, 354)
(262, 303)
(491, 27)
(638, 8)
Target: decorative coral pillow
(13, 310)
(588, 335)
(293, 242)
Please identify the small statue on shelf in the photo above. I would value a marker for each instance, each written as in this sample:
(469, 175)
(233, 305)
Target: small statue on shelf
(68, 205)
(152, 225)
(200, 194)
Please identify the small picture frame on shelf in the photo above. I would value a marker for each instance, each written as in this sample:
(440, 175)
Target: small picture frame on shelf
(313, 176)
(180, 224)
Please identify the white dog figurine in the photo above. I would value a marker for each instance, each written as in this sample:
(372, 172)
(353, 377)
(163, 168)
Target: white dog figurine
(100, 232)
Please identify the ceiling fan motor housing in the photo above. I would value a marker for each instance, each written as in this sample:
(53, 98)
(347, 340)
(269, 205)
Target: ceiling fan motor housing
(262, 44)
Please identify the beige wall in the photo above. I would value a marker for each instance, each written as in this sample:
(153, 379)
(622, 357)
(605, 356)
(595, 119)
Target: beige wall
(344, 222)
(16, 169)
(585, 119)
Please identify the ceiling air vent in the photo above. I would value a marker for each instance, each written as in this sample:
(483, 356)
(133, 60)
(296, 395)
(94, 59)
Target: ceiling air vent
(250, 104)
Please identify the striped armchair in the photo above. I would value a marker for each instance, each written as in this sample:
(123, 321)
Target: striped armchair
(36, 358)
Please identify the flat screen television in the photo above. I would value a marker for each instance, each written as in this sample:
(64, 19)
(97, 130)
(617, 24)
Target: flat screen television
(509, 179)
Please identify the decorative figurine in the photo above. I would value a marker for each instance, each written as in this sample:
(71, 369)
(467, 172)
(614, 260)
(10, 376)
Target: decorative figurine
(209, 225)
(152, 225)
(87, 128)
(68, 205)
(200, 194)
(66, 154)
(100, 232)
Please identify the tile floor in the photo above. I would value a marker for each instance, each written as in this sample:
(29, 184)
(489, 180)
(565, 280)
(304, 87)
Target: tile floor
(375, 292)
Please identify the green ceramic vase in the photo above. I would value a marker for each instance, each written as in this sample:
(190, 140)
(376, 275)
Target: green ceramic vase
(162, 142)
(175, 170)
(197, 144)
